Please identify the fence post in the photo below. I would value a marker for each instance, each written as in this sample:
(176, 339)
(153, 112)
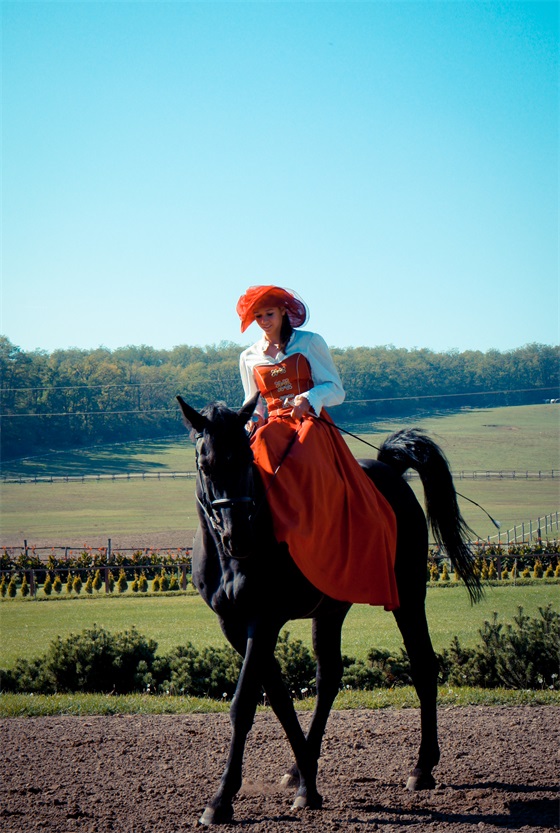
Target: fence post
(32, 586)
(108, 549)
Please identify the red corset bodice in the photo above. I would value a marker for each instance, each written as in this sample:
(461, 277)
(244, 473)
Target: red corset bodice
(279, 383)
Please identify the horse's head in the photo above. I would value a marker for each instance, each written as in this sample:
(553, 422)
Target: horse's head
(224, 462)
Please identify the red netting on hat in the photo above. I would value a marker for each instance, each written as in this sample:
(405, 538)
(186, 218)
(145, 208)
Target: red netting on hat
(262, 296)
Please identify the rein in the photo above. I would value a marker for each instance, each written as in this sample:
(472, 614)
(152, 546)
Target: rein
(497, 524)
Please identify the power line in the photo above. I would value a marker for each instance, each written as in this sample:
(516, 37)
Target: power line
(170, 411)
(449, 395)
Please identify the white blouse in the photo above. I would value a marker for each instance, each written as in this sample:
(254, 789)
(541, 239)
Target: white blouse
(327, 389)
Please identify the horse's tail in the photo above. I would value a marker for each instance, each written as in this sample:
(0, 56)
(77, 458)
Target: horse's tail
(411, 448)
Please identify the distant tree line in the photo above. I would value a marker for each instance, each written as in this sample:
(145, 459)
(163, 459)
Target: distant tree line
(73, 398)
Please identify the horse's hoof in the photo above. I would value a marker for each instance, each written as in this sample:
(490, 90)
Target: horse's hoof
(304, 802)
(419, 780)
(215, 815)
(289, 781)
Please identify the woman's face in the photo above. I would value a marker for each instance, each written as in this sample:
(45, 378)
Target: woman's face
(270, 320)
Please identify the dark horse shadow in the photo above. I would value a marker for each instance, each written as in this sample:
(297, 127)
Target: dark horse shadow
(254, 587)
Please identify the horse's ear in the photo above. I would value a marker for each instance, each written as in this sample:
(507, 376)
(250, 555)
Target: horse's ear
(246, 411)
(192, 419)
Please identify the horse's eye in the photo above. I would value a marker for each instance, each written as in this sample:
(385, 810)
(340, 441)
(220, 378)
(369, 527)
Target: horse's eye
(203, 465)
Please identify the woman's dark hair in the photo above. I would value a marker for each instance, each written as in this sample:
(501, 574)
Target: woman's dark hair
(286, 330)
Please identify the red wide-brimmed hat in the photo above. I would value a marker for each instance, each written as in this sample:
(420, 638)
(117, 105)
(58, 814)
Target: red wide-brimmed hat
(274, 296)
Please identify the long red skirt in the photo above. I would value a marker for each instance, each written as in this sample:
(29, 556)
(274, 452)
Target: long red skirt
(340, 530)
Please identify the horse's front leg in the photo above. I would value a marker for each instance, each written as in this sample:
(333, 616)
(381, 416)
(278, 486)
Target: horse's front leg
(259, 648)
(305, 769)
(327, 632)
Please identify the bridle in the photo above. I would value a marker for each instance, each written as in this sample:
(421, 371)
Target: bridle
(208, 506)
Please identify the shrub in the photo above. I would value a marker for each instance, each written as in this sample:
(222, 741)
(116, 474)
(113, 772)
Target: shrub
(538, 569)
(134, 585)
(77, 583)
(212, 672)
(3, 586)
(57, 584)
(163, 581)
(174, 583)
(122, 583)
(296, 664)
(97, 661)
(143, 583)
(97, 581)
(12, 587)
(47, 586)
(93, 661)
(69, 582)
(358, 675)
(156, 584)
(24, 586)
(88, 586)
(521, 656)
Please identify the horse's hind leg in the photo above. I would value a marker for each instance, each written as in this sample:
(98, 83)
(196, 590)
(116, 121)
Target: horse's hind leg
(413, 626)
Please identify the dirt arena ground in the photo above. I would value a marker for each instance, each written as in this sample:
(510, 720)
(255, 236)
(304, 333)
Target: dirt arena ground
(154, 774)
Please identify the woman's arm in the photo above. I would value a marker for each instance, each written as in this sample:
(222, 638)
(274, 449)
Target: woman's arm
(250, 386)
(327, 389)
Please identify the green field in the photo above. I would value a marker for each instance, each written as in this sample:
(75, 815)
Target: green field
(521, 438)
(28, 626)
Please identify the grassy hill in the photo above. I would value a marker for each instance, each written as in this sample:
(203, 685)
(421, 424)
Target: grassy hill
(162, 512)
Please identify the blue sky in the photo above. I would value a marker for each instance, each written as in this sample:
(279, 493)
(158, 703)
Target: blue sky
(394, 162)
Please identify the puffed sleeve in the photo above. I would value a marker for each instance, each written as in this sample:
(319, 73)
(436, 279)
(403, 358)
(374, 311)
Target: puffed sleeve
(327, 389)
(248, 381)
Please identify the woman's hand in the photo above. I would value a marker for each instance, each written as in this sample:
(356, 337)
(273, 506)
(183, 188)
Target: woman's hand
(301, 407)
(256, 422)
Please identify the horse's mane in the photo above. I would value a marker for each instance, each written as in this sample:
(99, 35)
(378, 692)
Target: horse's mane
(221, 420)
(217, 412)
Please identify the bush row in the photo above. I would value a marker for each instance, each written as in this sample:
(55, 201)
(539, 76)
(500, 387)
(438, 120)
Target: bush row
(91, 583)
(520, 655)
(89, 558)
(512, 568)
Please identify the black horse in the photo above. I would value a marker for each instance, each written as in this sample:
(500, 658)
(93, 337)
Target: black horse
(254, 587)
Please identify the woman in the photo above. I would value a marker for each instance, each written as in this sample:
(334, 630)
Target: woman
(340, 530)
